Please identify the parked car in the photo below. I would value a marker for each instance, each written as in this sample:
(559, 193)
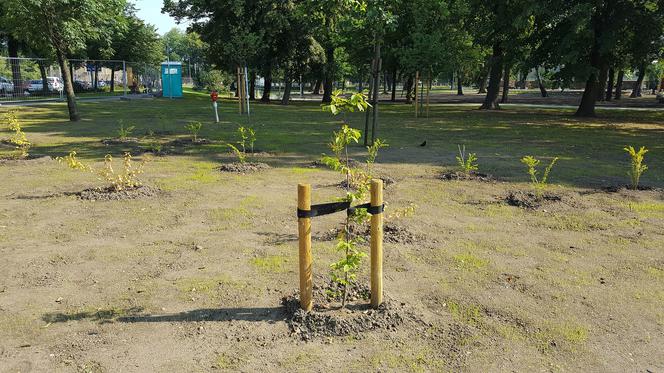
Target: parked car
(54, 85)
(6, 85)
(82, 85)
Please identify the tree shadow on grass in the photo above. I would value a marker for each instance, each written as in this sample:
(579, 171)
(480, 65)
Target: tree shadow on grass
(133, 315)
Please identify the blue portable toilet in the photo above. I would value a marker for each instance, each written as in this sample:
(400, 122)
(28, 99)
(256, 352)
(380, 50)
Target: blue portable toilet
(171, 79)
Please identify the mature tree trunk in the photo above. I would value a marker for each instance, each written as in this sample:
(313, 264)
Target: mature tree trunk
(328, 78)
(44, 78)
(316, 89)
(252, 86)
(112, 79)
(459, 84)
(484, 76)
(409, 89)
(587, 106)
(385, 82)
(601, 83)
(287, 89)
(96, 77)
(609, 87)
(506, 84)
(491, 99)
(74, 116)
(14, 62)
(540, 84)
(360, 84)
(636, 92)
(619, 84)
(267, 85)
(394, 84)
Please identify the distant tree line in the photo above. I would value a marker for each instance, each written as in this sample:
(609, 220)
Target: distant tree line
(478, 42)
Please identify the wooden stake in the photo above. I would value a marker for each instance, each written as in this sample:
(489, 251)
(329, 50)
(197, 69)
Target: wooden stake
(417, 85)
(376, 245)
(304, 232)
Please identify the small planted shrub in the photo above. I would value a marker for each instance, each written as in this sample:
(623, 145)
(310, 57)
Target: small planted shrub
(344, 271)
(126, 178)
(18, 138)
(247, 138)
(194, 128)
(539, 184)
(467, 161)
(124, 131)
(372, 154)
(637, 167)
(241, 156)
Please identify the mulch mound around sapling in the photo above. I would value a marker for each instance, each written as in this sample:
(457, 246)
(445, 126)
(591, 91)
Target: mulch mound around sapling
(36, 158)
(392, 233)
(319, 164)
(387, 181)
(629, 189)
(328, 319)
(110, 194)
(530, 200)
(189, 141)
(462, 176)
(116, 141)
(243, 168)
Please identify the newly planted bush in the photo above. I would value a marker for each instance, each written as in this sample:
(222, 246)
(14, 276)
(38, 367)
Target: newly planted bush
(637, 167)
(125, 179)
(247, 137)
(18, 137)
(539, 184)
(194, 128)
(124, 132)
(241, 156)
(344, 271)
(466, 161)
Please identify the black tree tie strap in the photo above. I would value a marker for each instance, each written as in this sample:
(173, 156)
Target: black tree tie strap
(331, 208)
(323, 209)
(373, 210)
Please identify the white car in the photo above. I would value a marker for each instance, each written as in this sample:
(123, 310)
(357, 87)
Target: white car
(6, 85)
(54, 85)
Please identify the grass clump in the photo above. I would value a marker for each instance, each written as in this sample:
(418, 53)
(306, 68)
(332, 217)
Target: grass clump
(465, 313)
(469, 262)
(270, 263)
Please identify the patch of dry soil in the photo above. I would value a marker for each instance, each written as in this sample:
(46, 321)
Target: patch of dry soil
(243, 168)
(473, 175)
(392, 233)
(530, 200)
(110, 194)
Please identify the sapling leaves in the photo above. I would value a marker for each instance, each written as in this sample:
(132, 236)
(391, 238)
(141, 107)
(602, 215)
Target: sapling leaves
(637, 167)
(538, 183)
(466, 161)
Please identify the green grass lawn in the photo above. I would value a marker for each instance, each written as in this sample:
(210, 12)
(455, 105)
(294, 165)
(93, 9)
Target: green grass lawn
(590, 150)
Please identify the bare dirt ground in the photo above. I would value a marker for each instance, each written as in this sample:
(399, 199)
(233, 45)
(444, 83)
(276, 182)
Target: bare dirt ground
(191, 279)
(190, 276)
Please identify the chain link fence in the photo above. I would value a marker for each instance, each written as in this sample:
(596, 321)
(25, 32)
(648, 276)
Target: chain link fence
(35, 79)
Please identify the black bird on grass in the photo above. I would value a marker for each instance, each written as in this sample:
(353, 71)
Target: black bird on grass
(424, 143)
